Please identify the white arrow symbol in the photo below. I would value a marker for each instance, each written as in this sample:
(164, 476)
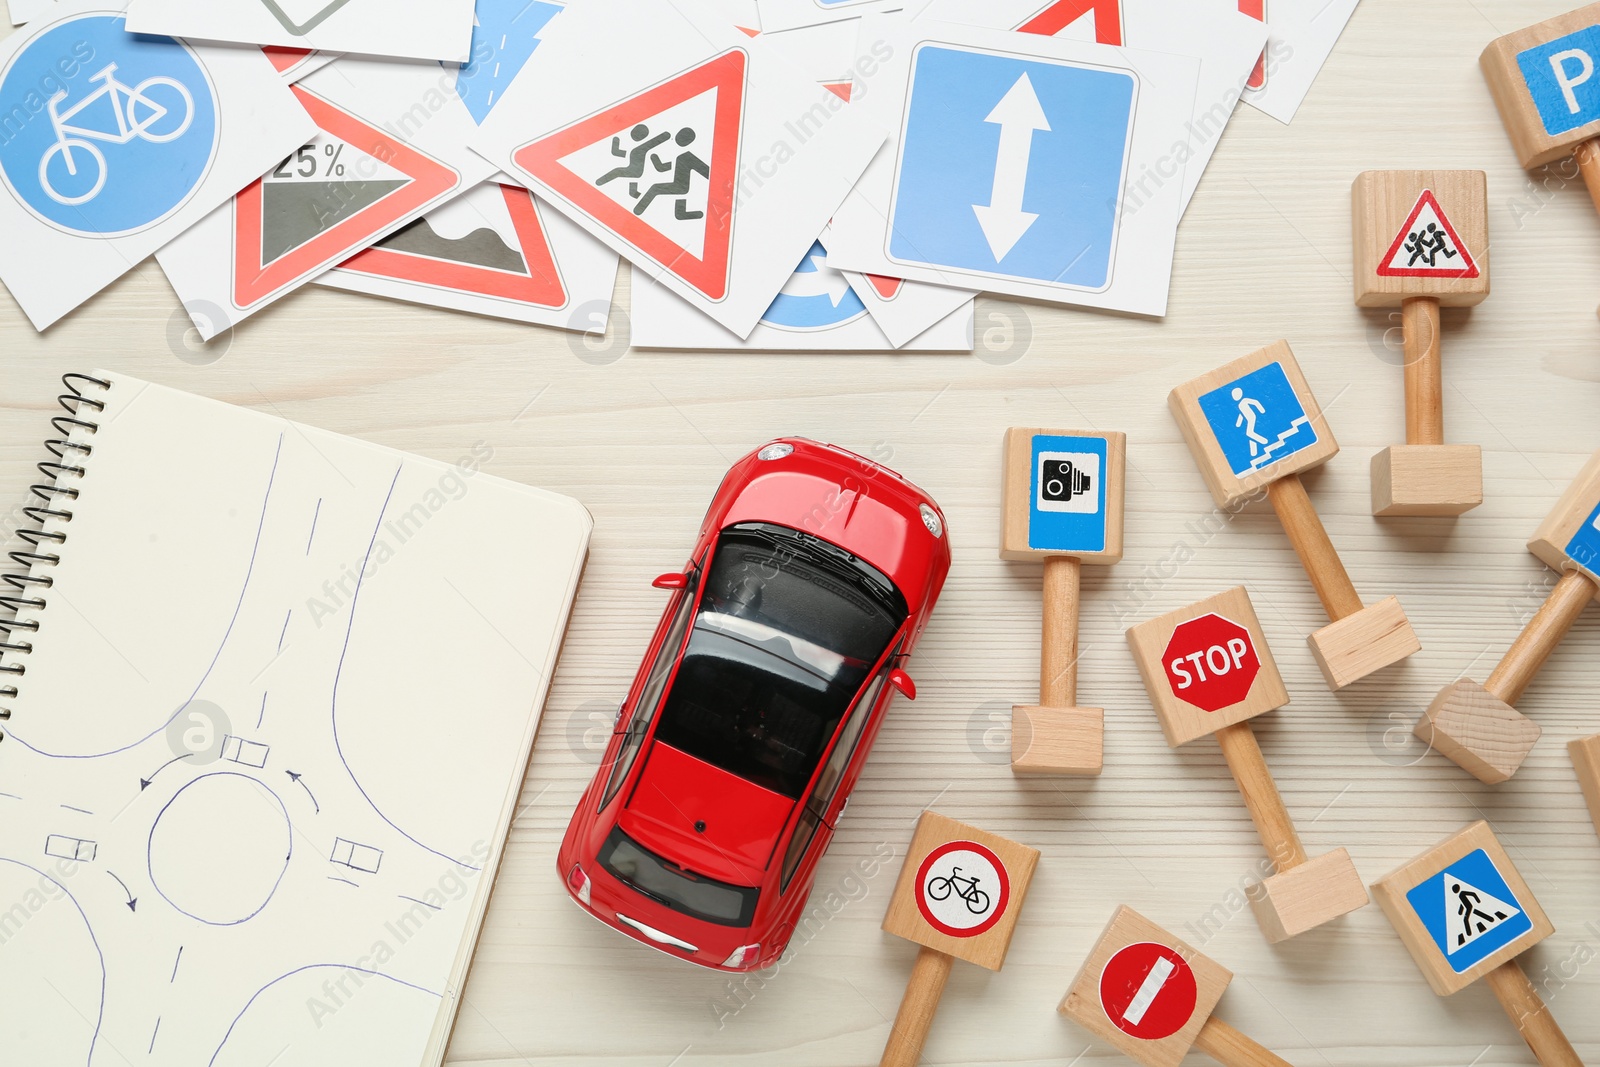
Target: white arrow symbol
(821, 281)
(1017, 114)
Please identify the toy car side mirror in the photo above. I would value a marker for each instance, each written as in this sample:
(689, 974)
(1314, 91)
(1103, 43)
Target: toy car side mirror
(902, 681)
(672, 580)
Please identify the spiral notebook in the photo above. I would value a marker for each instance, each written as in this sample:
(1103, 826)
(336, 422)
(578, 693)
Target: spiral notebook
(271, 695)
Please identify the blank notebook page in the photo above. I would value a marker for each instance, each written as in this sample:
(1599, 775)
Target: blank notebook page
(262, 764)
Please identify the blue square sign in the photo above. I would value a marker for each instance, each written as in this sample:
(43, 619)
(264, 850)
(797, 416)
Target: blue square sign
(1560, 76)
(1012, 166)
(1469, 911)
(1584, 548)
(1067, 494)
(1258, 420)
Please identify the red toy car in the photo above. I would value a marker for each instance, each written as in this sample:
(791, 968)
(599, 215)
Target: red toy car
(752, 714)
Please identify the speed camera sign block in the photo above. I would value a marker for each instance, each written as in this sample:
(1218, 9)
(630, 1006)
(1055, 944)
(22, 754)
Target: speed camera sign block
(1207, 666)
(1546, 82)
(1570, 535)
(960, 891)
(1145, 992)
(1062, 495)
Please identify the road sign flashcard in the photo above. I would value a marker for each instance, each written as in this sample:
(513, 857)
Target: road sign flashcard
(113, 144)
(777, 15)
(1258, 420)
(412, 29)
(1469, 910)
(389, 146)
(492, 251)
(903, 310)
(817, 310)
(1019, 164)
(696, 152)
(292, 64)
(1428, 246)
(1300, 37)
(1226, 42)
(26, 10)
(505, 36)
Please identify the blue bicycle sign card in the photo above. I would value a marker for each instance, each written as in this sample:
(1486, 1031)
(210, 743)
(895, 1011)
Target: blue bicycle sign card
(112, 144)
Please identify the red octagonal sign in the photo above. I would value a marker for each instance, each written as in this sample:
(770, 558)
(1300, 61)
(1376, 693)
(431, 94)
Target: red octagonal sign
(1211, 662)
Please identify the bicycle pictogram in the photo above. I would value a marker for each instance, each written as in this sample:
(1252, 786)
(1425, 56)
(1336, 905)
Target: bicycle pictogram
(966, 888)
(136, 113)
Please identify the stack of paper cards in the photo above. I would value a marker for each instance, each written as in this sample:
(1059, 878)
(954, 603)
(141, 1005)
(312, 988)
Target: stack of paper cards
(419, 29)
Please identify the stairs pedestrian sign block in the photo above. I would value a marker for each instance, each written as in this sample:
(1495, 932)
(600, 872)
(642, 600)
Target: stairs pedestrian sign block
(1258, 420)
(1469, 910)
(1584, 548)
(1012, 166)
(658, 169)
(1427, 246)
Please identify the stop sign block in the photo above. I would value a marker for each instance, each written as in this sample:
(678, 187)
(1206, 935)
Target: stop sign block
(1207, 666)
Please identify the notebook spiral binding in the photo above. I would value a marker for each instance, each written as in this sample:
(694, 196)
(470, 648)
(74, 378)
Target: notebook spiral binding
(27, 584)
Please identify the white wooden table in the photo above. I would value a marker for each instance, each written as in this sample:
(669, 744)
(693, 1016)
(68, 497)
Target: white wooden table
(642, 439)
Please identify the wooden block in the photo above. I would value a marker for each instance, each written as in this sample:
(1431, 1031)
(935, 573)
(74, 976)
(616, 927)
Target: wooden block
(1252, 422)
(1439, 480)
(1421, 233)
(1466, 877)
(1585, 754)
(1477, 731)
(1375, 637)
(1057, 740)
(1062, 494)
(1144, 992)
(1570, 535)
(1207, 666)
(1544, 82)
(1304, 897)
(960, 891)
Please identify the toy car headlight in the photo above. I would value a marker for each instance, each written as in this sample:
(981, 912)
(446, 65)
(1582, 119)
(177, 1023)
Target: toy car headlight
(776, 450)
(931, 520)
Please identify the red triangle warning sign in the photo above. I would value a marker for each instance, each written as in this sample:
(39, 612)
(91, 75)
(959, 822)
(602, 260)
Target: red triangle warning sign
(658, 170)
(1427, 246)
(886, 287)
(333, 197)
(482, 263)
(285, 59)
(1055, 17)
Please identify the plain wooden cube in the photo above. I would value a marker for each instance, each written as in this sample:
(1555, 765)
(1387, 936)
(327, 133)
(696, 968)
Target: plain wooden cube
(1585, 753)
(1535, 142)
(1304, 897)
(1057, 740)
(1477, 731)
(1231, 480)
(1570, 534)
(1390, 893)
(1228, 617)
(1062, 494)
(1377, 636)
(1384, 204)
(1436, 480)
(1083, 1004)
(934, 833)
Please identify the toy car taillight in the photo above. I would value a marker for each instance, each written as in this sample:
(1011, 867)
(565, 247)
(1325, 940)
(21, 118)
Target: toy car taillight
(741, 954)
(579, 883)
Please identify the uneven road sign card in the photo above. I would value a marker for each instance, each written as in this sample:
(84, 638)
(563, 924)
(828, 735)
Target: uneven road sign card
(391, 143)
(111, 145)
(1019, 164)
(1300, 38)
(1225, 40)
(412, 29)
(817, 310)
(697, 153)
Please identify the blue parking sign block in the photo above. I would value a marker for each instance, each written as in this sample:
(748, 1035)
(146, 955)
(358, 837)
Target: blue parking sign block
(1067, 494)
(1258, 420)
(1560, 76)
(1012, 166)
(1469, 911)
(1584, 548)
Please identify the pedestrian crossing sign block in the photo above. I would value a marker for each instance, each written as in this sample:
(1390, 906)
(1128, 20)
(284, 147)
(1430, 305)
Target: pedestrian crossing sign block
(1428, 246)
(1420, 233)
(1469, 911)
(1258, 420)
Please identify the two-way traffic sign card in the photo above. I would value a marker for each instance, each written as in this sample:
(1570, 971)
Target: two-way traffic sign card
(1019, 164)
(817, 310)
(114, 144)
(1300, 38)
(494, 251)
(388, 147)
(692, 149)
(1226, 41)
(412, 29)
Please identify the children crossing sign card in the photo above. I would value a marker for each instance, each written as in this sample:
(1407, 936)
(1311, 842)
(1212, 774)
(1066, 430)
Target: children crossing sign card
(696, 152)
(1020, 164)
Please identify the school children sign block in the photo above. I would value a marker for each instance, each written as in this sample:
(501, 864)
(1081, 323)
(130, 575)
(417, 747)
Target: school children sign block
(696, 152)
(1421, 233)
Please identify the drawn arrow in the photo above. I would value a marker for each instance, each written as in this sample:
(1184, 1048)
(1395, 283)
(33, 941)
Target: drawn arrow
(822, 281)
(293, 777)
(144, 783)
(132, 901)
(1017, 114)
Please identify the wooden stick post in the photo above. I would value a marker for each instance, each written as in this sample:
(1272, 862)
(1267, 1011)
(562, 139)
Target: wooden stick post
(1465, 913)
(1150, 996)
(1208, 670)
(1254, 426)
(958, 897)
(1062, 504)
(1422, 243)
(1478, 726)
